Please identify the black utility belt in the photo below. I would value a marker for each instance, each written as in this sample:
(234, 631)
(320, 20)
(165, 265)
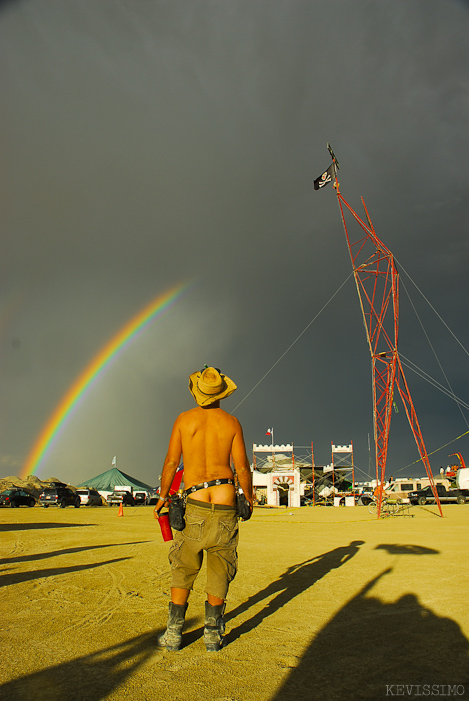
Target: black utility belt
(206, 485)
(210, 505)
(177, 505)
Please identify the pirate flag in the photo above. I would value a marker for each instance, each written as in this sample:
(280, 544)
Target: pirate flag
(327, 177)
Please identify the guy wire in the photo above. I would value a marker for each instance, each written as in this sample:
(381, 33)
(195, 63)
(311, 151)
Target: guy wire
(292, 344)
(451, 391)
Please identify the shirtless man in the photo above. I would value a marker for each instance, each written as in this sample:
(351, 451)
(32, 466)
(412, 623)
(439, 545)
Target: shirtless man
(206, 437)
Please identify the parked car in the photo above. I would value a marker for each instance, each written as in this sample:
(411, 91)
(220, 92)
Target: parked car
(16, 497)
(401, 487)
(90, 497)
(117, 498)
(140, 497)
(424, 496)
(365, 497)
(59, 496)
(152, 498)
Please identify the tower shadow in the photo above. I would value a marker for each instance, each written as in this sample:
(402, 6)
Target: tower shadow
(370, 648)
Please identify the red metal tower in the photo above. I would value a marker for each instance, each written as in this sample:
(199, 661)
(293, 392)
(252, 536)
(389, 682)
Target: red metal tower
(377, 281)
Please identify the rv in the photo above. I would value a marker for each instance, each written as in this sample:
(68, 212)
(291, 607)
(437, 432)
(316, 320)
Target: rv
(400, 488)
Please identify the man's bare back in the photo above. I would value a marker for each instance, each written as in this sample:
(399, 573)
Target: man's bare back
(206, 437)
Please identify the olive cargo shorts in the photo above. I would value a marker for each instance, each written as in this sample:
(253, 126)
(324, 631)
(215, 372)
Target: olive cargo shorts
(209, 527)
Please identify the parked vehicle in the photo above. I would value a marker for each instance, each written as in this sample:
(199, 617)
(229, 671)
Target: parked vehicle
(16, 497)
(401, 487)
(90, 497)
(140, 497)
(59, 496)
(117, 498)
(462, 479)
(425, 496)
(152, 498)
(365, 496)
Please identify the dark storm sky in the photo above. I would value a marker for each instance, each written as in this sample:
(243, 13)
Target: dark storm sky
(147, 144)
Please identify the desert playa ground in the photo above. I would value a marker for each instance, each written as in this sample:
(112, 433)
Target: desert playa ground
(328, 603)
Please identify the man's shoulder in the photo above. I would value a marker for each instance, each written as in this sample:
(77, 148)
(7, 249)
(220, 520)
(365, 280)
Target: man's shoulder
(187, 415)
(233, 418)
(226, 415)
(197, 413)
(230, 421)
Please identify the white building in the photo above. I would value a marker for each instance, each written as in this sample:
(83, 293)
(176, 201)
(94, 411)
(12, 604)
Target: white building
(278, 488)
(279, 482)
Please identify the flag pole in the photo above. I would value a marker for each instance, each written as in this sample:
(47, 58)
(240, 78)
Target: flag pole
(270, 432)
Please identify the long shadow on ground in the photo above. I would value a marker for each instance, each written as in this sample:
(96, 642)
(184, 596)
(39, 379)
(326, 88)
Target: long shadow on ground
(37, 526)
(294, 581)
(396, 549)
(88, 678)
(17, 577)
(65, 551)
(373, 650)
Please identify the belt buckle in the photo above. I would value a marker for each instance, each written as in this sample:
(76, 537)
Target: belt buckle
(205, 485)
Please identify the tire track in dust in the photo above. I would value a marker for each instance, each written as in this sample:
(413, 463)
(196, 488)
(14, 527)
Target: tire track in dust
(105, 608)
(92, 618)
(16, 551)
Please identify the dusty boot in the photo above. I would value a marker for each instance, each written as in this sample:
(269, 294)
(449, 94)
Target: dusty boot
(172, 637)
(214, 627)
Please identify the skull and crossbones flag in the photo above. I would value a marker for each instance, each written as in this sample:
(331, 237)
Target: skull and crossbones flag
(327, 177)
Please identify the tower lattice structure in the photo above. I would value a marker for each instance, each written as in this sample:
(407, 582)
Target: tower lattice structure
(377, 281)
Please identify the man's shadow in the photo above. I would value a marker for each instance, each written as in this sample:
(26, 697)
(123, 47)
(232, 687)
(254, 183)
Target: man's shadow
(294, 581)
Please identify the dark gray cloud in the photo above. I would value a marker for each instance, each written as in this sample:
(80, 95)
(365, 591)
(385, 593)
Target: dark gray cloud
(148, 144)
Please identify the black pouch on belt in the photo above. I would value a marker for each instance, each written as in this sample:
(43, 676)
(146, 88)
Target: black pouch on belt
(177, 509)
(243, 507)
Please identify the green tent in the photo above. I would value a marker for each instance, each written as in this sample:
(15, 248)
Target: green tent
(107, 481)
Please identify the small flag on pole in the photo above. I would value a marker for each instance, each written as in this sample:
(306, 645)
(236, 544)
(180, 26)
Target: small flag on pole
(269, 432)
(327, 177)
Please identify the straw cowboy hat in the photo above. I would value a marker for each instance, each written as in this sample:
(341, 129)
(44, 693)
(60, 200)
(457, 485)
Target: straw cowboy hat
(210, 385)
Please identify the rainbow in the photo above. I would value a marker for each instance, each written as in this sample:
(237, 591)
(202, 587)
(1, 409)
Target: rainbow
(99, 363)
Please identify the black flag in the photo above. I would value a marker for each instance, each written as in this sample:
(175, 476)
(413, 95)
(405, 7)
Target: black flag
(327, 177)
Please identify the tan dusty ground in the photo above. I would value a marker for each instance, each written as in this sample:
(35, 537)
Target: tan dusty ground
(329, 603)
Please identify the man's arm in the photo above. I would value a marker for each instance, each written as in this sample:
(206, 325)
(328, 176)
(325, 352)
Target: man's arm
(241, 462)
(170, 466)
